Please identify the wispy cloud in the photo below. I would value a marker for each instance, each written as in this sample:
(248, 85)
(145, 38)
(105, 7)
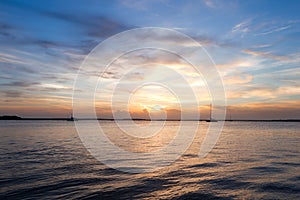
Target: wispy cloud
(262, 46)
(257, 26)
(9, 58)
(87, 29)
(13, 94)
(242, 27)
(289, 90)
(267, 55)
(210, 3)
(238, 79)
(221, 4)
(264, 93)
(252, 92)
(276, 29)
(20, 84)
(270, 27)
(96, 26)
(6, 29)
(282, 109)
(292, 58)
(139, 5)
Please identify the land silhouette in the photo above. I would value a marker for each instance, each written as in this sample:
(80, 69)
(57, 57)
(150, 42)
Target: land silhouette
(15, 117)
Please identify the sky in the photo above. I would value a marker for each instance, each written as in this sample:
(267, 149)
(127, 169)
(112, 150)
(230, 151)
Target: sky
(255, 46)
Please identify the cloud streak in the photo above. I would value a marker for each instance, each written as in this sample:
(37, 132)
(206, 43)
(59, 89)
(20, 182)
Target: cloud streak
(266, 55)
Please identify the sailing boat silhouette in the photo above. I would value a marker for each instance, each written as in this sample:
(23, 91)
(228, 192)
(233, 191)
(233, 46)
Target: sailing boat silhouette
(210, 116)
(72, 118)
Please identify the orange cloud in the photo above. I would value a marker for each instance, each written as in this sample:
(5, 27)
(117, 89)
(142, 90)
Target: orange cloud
(263, 92)
(267, 55)
(238, 79)
(265, 110)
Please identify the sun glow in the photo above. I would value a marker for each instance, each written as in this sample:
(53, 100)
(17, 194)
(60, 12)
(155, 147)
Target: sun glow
(153, 99)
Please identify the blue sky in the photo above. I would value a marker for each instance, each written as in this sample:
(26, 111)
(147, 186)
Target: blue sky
(255, 45)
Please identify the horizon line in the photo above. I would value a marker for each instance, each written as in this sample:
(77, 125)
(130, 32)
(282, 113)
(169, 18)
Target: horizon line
(14, 117)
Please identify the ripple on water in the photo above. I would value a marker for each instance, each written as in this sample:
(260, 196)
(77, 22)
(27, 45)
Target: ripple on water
(227, 183)
(267, 169)
(278, 187)
(205, 165)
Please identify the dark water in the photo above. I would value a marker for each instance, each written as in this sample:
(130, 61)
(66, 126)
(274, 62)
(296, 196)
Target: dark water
(252, 160)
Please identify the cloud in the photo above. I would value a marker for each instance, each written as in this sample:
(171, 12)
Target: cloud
(173, 113)
(20, 84)
(288, 109)
(252, 92)
(138, 5)
(19, 37)
(243, 27)
(243, 62)
(95, 26)
(220, 4)
(262, 45)
(288, 60)
(144, 5)
(237, 79)
(210, 3)
(289, 90)
(144, 63)
(9, 58)
(270, 27)
(258, 26)
(267, 55)
(6, 77)
(5, 30)
(177, 39)
(276, 29)
(149, 56)
(272, 105)
(87, 30)
(262, 93)
(11, 34)
(210, 41)
(13, 94)
(110, 75)
(285, 75)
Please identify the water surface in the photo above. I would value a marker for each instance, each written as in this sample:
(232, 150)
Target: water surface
(252, 160)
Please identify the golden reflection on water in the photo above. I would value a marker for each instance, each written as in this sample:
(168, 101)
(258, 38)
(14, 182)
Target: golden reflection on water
(125, 139)
(242, 160)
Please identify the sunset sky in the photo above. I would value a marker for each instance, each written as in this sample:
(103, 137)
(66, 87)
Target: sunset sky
(254, 44)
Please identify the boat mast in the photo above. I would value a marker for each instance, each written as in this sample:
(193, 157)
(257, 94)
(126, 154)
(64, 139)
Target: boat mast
(210, 113)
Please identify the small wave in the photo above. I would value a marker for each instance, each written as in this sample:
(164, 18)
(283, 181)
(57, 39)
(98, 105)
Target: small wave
(287, 164)
(201, 195)
(279, 188)
(267, 169)
(205, 165)
(227, 183)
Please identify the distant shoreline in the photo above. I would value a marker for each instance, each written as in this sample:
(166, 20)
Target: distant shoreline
(108, 119)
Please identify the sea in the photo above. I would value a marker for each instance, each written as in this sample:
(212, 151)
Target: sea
(47, 159)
